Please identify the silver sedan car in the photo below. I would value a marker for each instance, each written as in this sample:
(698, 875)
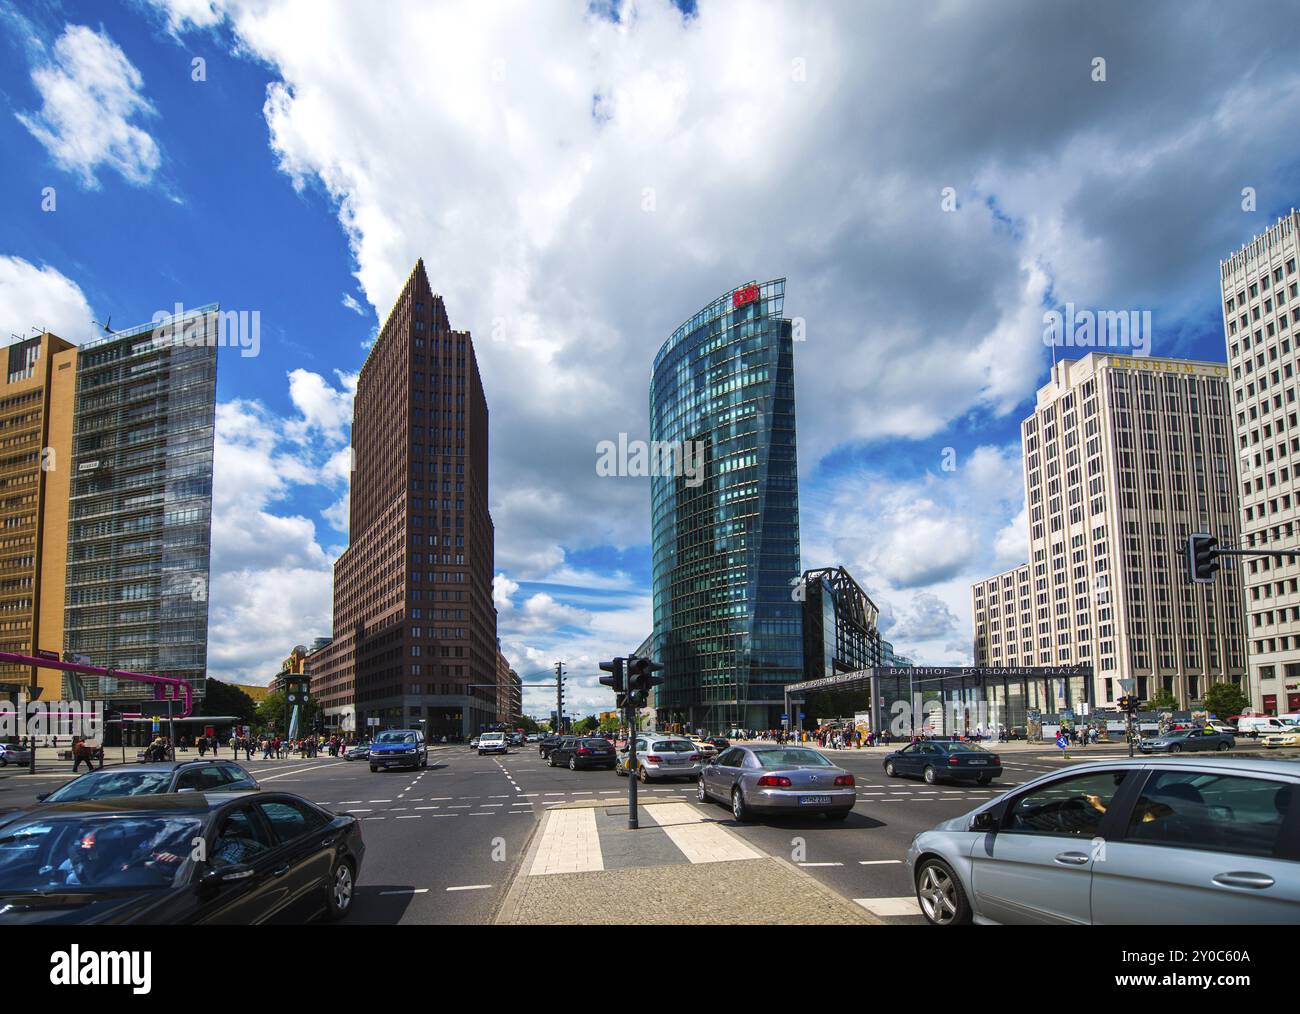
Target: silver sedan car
(1147, 840)
(779, 780)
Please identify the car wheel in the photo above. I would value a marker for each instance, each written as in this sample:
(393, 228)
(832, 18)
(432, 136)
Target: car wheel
(701, 793)
(373, 769)
(642, 776)
(3, 763)
(1222, 746)
(984, 779)
(889, 769)
(738, 808)
(930, 776)
(1175, 749)
(424, 761)
(940, 894)
(573, 763)
(341, 890)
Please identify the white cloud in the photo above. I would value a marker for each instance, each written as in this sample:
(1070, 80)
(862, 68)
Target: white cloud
(351, 303)
(271, 579)
(90, 95)
(41, 297)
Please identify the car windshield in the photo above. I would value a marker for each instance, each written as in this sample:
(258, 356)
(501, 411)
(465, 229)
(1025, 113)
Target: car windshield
(492, 735)
(673, 746)
(792, 759)
(395, 737)
(101, 784)
(95, 852)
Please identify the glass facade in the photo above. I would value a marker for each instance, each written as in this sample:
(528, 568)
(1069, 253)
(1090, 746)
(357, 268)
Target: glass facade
(839, 625)
(139, 533)
(725, 539)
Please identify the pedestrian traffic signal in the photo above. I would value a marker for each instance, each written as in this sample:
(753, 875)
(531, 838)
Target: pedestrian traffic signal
(1123, 703)
(1202, 559)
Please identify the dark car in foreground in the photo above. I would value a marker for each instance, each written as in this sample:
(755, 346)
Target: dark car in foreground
(548, 743)
(178, 859)
(940, 760)
(777, 780)
(359, 752)
(1204, 738)
(1147, 840)
(148, 779)
(576, 752)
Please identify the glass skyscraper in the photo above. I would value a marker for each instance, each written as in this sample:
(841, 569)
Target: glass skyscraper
(725, 538)
(139, 534)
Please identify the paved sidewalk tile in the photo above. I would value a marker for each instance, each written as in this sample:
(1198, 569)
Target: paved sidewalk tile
(570, 844)
(890, 906)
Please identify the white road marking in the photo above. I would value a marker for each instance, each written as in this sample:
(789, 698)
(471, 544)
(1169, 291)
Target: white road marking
(878, 862)
(471, 887)
(890, 906)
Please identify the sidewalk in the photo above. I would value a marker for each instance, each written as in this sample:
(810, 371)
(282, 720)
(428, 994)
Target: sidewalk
(682, 865)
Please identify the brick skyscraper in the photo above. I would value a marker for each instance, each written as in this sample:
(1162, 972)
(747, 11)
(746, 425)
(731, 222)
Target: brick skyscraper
(414, 624)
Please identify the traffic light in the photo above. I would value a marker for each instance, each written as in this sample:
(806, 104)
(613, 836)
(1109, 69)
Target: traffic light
(641, 676)
(1202, 561)
(1123, 703)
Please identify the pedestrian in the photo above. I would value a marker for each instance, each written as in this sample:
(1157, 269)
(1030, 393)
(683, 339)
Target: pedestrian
(203, 746)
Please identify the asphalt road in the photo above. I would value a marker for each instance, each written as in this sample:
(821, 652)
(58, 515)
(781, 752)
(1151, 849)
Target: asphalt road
(442, 844)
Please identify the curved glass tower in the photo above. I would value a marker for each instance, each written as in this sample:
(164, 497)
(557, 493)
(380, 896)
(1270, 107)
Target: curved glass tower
(725, 538)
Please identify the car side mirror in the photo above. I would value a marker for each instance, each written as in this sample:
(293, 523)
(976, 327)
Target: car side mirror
(984, 821)
(42, 797)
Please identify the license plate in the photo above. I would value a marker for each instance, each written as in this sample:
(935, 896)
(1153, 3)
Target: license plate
(979, 762)
(814, 800)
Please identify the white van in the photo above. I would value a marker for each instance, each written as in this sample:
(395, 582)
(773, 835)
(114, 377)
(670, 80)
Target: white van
(1253, 725)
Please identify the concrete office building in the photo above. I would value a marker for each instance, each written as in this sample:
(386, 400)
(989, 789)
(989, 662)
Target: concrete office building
(1003, 611)
(1260, 290)
(414, 639)
(1124, 457)
(139, 532)
(36, 411)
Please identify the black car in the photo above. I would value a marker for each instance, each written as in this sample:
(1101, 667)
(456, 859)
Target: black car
(178, 859)
(547, 744)
(579, 752)
(148, 779)
(938, 760)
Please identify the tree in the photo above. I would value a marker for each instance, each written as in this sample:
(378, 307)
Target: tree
(611, 723)
(1163, 700)
(1226, 699)
(273, 715)
(586, 726)
(225, 699)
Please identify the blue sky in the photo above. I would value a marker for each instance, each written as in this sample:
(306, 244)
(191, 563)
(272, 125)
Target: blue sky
(327, 147)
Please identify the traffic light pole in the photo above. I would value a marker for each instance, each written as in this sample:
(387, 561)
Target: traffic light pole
(630, 717)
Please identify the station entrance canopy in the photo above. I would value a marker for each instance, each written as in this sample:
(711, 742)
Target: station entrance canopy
(944, 699)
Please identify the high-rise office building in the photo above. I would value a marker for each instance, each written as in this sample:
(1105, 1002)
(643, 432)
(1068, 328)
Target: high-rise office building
(414, 642)
(1124, 457)
(1260, 290)
(36, 409)
(1003, 612)
(139, 532)
(725, 513)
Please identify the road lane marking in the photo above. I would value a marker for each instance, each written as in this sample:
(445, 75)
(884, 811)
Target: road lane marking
(471, 887)
(699, 839)
(821, 864)
(878, 862)
(408, 890)
(889, 906)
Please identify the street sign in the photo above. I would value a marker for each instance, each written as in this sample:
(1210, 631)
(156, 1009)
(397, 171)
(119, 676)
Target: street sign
(785, 717)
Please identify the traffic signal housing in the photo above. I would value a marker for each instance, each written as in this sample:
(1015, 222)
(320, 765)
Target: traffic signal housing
(1202, 560)
(616, 680)
(641, 676)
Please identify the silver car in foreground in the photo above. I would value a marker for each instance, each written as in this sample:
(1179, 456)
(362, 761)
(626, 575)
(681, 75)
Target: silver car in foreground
(1142, 840)
(777, 780)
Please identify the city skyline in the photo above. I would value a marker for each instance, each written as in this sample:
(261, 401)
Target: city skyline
(924, 275)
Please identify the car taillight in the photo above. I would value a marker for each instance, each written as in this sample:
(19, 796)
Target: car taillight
(775, 781)
(583, 749)
(997, 759)
(655, 760)
(845, 780)
(953, 760)
(694, 757)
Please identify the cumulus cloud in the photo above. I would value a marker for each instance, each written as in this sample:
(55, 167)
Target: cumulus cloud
(41, 297)
(92, 99)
